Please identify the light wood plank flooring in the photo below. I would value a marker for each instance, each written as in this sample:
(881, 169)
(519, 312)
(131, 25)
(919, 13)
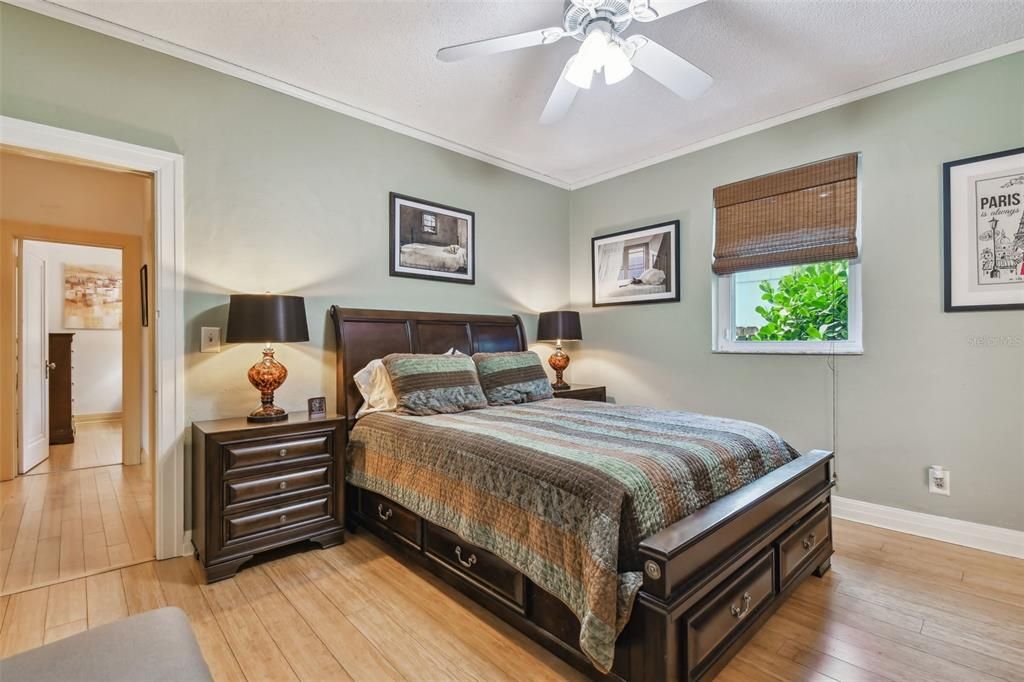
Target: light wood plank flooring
(96, 444)
(74, 523)
(894, 607)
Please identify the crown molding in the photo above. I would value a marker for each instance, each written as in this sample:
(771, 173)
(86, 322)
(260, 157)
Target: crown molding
(940, 69)
(965, 533)
(130, 35)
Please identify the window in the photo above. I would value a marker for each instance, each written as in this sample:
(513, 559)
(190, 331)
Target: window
(813, 308)
(430, 223)
(787, 261)
(636, 260)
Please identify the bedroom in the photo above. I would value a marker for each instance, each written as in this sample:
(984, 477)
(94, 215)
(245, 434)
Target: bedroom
(287, 184)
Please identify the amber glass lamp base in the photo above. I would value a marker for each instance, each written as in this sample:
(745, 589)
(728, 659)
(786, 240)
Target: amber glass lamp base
(266, 376)
(559, 361)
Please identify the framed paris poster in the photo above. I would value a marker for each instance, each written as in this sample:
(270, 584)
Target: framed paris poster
(983, 199)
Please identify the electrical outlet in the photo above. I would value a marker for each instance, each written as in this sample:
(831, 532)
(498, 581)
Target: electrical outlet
(939, 480)
(210, 340)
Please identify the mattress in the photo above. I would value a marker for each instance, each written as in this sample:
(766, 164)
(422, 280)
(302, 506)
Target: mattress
(563, 490)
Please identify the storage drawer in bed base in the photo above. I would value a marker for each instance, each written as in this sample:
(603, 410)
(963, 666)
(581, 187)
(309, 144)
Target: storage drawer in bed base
(705, 621)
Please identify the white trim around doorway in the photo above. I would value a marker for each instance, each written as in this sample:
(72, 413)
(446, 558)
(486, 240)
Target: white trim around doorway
(169, 265)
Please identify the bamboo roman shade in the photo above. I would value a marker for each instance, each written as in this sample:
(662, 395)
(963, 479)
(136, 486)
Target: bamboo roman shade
(806, 214)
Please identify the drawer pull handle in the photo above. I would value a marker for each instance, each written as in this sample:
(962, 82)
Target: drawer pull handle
(283, 452)
(809, 541)
(282, 485)
(384, 515)
(737, 612)
(283, 518)
(468, 563)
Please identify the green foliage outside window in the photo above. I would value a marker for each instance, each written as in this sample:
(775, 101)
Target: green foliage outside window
(808, 304)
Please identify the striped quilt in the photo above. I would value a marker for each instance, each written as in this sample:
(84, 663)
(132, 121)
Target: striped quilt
(564, 490)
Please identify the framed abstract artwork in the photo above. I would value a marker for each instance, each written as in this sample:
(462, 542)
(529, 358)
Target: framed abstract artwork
(640, 265)
(983, 232)
(92, 296)
(431, 241)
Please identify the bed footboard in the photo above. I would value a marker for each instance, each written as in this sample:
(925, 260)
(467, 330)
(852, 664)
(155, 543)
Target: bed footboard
(713, 578)
(710, 580)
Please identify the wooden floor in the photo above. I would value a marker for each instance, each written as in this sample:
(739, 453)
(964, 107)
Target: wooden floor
(96, 444)
(894, 607)
(74, 523)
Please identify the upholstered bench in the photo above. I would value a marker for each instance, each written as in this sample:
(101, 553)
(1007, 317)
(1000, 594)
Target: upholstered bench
(152, 646)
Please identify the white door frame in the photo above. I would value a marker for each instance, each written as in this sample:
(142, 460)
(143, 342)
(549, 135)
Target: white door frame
(169, 266)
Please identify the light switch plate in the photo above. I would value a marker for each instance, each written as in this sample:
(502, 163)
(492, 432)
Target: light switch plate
(210, 341)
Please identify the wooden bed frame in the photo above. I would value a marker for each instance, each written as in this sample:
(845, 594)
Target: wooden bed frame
(710, 580)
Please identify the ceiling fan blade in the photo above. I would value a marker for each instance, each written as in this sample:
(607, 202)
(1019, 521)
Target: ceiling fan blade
(669, 69)
(650, 10)
(516, 41)
(560, 100)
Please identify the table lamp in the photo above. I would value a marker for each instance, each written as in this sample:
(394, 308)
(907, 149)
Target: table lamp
(559, 326)
(267, 318)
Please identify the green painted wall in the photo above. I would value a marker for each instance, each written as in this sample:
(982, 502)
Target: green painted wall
(922, 393)
(288, 197)
(283, 196)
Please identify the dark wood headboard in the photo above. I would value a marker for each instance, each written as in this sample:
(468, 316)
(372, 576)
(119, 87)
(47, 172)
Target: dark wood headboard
(363, 335)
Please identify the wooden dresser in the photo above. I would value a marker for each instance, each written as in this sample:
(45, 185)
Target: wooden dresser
(256, 487)
(62, 413)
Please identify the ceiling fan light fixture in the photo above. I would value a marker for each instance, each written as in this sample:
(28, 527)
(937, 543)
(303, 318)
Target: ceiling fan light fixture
(617, 66)
(579, 72)
(592, 51)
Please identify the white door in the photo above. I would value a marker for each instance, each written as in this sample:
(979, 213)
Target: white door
(33, 370)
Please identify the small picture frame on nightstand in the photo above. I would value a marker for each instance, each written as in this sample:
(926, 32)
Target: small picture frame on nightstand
(317, 407)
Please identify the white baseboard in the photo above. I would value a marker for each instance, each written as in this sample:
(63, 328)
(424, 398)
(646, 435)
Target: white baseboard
(97, 417)
(965, 533)
(186, 546)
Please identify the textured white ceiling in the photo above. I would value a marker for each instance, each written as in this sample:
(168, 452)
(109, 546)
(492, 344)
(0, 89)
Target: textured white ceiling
(767, 58)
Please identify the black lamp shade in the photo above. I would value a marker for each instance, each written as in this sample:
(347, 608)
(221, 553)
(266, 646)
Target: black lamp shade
(560, 325)
(266, 318)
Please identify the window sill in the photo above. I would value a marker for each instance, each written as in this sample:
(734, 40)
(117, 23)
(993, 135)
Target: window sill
(769, 348)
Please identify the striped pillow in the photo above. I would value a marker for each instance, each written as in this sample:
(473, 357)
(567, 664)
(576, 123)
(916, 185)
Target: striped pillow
(434, 384)
(511, 378)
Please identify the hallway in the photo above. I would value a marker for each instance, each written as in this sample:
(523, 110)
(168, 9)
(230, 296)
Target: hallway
(75, 521)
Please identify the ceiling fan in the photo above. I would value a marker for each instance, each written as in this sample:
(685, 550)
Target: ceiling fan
(598, 25)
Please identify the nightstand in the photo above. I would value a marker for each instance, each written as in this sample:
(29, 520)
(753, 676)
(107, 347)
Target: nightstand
(256, 487)
(584, 392)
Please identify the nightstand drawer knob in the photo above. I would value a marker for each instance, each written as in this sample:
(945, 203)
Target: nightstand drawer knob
(283, 452)
(282, 485)
(284, 517)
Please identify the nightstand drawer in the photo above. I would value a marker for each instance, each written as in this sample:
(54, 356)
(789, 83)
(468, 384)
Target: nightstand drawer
(259, 487)
(242, 526)
(281, 450)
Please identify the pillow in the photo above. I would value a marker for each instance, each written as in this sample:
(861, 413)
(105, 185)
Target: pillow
(511, 378)
(434, 384)
(374, 385)
(652, 276)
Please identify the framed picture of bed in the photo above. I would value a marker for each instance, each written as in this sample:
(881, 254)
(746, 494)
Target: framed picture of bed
(640, 265)
(431, 241)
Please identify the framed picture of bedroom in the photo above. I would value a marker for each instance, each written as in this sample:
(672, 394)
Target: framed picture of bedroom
(431, 241)
(640, 265)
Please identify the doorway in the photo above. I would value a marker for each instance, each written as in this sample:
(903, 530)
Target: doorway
(82, 498)
(71, 358)
(167, 316)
